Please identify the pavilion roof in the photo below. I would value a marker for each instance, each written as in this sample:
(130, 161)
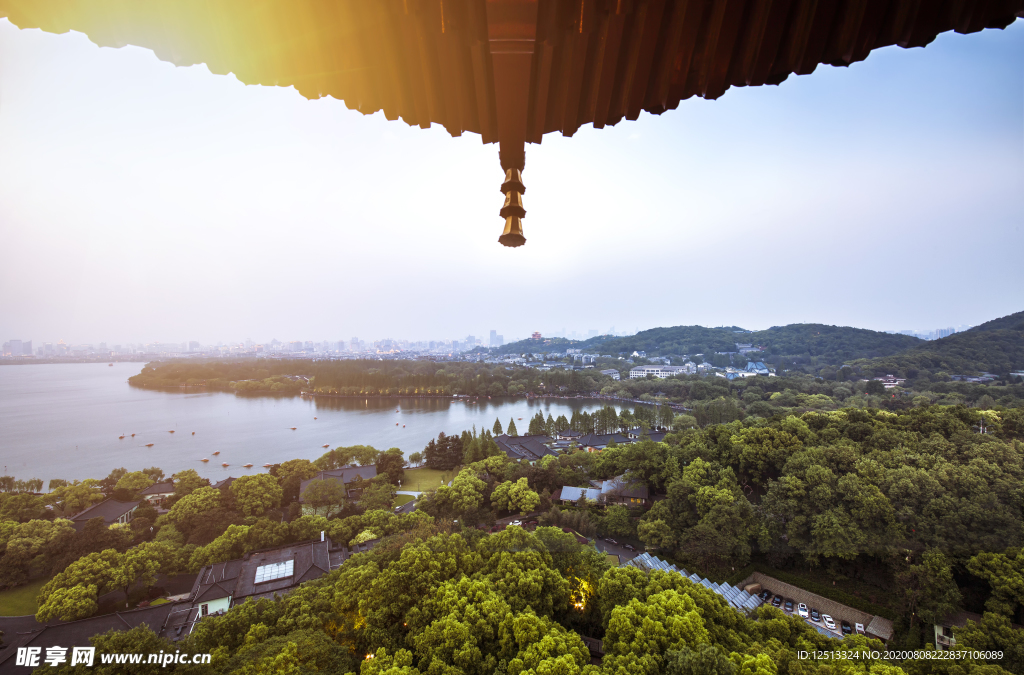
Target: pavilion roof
(512, 70)
(592, 61)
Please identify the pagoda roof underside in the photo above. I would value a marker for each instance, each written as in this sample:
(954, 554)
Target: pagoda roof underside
(431, 61)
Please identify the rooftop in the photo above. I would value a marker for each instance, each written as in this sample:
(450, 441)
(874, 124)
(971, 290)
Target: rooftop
(109, 510)
(159, 489)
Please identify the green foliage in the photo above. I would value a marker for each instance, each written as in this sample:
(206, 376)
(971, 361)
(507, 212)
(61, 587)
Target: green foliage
(444, 453)
(188, 481)
(72, 594)
(391, 463)
(324, 497)
(362, 455)
(257, 493)
(187, 510)
(515, 496)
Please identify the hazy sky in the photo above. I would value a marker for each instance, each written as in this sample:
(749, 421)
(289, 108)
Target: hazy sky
(141, 202)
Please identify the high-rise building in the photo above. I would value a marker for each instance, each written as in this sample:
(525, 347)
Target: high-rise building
(193, 346)
(14, 348)
(354, 345)
(494, 338)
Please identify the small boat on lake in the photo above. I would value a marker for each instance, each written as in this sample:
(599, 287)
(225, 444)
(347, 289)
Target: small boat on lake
(293, 428)
(314, 418)
(133, 435)
(193, 433)
(247, 466)
(110, 364)
(204, 459)
(267, 465)
(326, 445)
(171, 431)
(120, 437)
(223, 463)
(216, 452)
(149, 445)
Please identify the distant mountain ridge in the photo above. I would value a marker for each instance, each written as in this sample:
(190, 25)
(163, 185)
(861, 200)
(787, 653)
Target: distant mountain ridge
(829, 345)
(995, 346)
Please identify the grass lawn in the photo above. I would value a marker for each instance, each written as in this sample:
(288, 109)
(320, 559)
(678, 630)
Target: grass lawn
(402, 500)
(420, 480)
(21, 600)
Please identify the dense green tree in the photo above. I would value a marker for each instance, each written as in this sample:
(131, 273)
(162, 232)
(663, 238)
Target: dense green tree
(290, 475)
(497, 427)
(379, 495)
(444, 453)
(1005, 574)
(256, 494)
(512, 427)
(515, 496)
(187, 510)
(362, 455)
(391, 463)
(188, 481)
(73, 593)
(324, 497)
(928, 590)
(131, 484)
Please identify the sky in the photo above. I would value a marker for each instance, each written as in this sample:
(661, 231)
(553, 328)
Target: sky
(144, 202)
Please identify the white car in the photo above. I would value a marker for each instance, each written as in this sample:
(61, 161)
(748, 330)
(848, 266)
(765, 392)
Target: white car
(801, 609)
(516, 523)
(859, 627)
(829, 623)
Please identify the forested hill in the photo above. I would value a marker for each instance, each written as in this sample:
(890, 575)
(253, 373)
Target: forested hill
(995, 346)
(795, 344)
(1008, 322)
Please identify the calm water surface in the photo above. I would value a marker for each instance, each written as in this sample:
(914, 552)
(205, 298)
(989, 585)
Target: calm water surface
(63, 421)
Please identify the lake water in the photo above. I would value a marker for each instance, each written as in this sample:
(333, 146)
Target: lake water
(63, 421)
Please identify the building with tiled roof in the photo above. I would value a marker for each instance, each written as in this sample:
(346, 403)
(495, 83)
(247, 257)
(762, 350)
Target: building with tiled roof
(77, 633)
(260, 574)
(598, 442)
(529, 448)
(110, 510)
(158, 492)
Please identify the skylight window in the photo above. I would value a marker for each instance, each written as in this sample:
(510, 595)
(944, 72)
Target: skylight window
(274, 571)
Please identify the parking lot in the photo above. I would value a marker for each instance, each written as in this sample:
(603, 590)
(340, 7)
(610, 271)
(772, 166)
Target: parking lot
(838, 611)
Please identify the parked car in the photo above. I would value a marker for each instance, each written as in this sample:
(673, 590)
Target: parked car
(776, 601)
(829, 623)
(801, 609)
(859, 627)
(611, 541)
(516, 523)
(815, 617)
(764, 595)
(789, 606)
(629, 547)
(846, 628)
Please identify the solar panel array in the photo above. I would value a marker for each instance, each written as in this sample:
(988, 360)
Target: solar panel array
(274, 571)
(738, 599)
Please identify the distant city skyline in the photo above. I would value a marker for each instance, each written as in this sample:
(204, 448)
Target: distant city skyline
(142, 201)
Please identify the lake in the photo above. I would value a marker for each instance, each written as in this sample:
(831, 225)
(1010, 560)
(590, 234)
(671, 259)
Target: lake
(63, 421)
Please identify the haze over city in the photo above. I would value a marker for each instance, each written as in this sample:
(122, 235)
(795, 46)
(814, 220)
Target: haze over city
(141, 201)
